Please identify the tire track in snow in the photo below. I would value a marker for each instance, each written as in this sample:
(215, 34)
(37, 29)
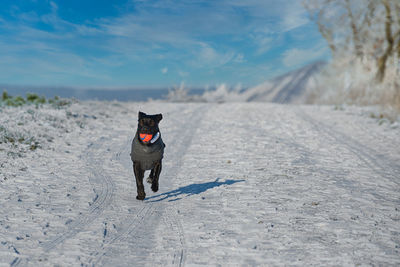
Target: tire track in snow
(103, 199)
(365, 154)
(129, 230)
(177, 146)
(174, 223)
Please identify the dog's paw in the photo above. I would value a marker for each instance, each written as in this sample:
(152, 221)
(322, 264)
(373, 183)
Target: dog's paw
(140, 197)
(154, 187)
(149, 180)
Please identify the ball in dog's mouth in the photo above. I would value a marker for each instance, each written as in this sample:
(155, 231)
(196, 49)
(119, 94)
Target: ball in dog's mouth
(145, 137)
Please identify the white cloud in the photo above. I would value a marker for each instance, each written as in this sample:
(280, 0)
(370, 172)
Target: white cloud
(207, 56)
(295, 16)
(296, 57)
(54, 7)
(164, 70)
(263, 42)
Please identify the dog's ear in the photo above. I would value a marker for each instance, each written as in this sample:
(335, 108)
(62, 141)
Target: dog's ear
(141, 115)
(158, 117)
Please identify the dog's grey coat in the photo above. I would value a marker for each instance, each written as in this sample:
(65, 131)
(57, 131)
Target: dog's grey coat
(147, 155)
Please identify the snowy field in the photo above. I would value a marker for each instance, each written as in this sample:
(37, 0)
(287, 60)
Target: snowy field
(243, 184)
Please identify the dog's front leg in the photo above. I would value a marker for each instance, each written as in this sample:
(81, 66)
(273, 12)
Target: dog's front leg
(139, 174)
(150, 178)
(157, 171)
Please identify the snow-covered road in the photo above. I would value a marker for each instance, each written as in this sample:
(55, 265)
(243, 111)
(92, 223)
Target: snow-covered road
(242, 184)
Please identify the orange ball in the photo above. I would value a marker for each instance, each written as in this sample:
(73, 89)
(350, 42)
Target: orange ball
(145, 137)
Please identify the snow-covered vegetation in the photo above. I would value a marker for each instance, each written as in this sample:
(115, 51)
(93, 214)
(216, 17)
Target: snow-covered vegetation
(290, 88)
(222, 93)
(180, 94)
(364, 38)
(31, 123)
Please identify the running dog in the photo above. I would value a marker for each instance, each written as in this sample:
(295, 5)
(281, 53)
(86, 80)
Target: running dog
(147, 152)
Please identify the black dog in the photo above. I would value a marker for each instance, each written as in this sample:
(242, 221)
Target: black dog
(147, 152)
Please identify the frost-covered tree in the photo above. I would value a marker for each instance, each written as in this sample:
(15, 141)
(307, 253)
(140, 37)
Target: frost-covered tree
(364, 39)
(365, 28)
(392, 35)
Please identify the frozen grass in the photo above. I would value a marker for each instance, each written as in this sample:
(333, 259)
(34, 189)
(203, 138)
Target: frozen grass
(32, 123)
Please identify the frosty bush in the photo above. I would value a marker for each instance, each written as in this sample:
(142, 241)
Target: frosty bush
(222, 93)
(14, 138)
(34, 98)
(181, 94)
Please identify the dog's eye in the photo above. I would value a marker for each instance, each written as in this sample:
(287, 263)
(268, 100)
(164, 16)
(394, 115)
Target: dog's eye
(141, 122)
(151, 123)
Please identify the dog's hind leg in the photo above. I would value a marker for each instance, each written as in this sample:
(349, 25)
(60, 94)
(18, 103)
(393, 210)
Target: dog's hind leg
(150, 178)
(139, 174)
(157, 170)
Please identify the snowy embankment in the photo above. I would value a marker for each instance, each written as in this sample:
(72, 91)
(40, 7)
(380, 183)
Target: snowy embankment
(242, 184)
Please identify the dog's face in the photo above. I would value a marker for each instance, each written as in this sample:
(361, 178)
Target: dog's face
(147, 126)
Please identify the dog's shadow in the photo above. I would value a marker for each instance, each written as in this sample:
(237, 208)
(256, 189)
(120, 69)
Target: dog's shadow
(189, 190)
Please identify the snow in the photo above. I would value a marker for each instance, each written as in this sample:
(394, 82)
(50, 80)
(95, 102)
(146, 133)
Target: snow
(293, 87)
(242, 184)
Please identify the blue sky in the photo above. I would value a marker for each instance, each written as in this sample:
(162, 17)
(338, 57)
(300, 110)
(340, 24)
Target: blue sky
(145, 43)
